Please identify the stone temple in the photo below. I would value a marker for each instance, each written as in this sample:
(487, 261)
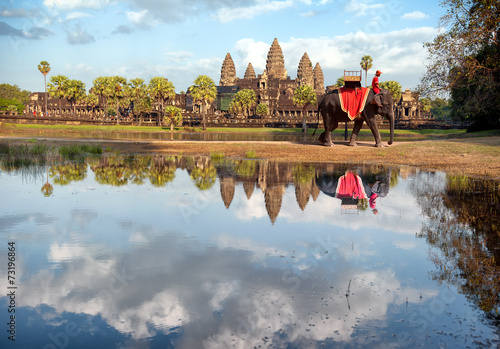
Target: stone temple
(273, 87)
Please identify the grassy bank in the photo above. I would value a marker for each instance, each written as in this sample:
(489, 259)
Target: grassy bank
(456, 152)
(421, 134)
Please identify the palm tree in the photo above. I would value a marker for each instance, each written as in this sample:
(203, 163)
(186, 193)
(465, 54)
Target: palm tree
(161, 89)
(262, 109)
(303, 96)
(57, 88)
(92, 100)
(44, 68)
(245, 99)
(74, 92)
(139, 91)
(116, 91)
(204, 91)
(366, 63)
(173, 116)
(102, 89)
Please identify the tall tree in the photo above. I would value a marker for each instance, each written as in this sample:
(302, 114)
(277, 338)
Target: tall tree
(245, 99)
(204, 91)
(74, 92)
(173, 116)
(57, 88)
(117, 92)
(44, 68)
(92, 100)
(304, 96)
(465, 60)
(262, 109)
(366, 64)
(102, 88)
(160, 89)
(139, 89)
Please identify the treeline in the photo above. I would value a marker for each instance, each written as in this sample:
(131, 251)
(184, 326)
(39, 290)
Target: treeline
(12, 98)
(465, 62)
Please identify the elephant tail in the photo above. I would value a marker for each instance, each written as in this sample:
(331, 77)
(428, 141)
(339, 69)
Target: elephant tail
(317, 123)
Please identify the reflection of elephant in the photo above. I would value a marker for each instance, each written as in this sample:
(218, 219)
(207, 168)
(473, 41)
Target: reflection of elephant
(351, 187)
(332, 113)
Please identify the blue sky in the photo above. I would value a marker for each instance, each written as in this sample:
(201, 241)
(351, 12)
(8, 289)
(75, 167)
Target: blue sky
(179, 40)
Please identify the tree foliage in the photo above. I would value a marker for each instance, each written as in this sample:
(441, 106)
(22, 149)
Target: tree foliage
(366, 64)
(465, 61)
(303, 96)
(203, 91)
(262, 109)
(394, 88)
(74, 91)
(13, 98)
(173, 116)
(243, 100)
(57, 88)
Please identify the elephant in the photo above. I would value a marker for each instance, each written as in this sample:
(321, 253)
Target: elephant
(332, 113)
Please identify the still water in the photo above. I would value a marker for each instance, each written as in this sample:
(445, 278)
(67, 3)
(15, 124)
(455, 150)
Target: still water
(193, 252)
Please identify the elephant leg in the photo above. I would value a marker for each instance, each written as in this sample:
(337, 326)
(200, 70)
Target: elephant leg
(370, 120)
(358, 123)
(328, 141)
(321, 137)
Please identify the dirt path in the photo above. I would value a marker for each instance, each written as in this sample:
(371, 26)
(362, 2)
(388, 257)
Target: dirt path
(478, 157)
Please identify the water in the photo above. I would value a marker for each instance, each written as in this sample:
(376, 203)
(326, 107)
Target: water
(190, 252)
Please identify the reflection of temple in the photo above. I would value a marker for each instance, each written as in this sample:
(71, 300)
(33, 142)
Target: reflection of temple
(271, 177)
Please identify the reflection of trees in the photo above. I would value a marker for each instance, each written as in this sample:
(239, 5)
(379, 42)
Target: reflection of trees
(64, 174)
(464, 220)
(204, 175)
(117, 170)
(162, 171)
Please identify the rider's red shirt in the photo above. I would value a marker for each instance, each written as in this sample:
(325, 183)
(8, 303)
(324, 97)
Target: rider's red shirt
(376, 89)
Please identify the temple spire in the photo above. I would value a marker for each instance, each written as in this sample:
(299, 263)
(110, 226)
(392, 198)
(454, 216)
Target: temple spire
(228, 71)
(275, 63)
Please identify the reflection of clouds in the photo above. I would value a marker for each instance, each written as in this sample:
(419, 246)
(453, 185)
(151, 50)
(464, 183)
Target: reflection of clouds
(66, 252)
(7, 222)
(248, 209)
(399, 212)
(172, 282)
(405, 245)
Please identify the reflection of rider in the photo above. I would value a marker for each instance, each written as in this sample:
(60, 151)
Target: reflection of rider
(351, 187)
(376, 89)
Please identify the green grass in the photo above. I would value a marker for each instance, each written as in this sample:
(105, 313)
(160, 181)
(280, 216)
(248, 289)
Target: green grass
(75, 151)
(250, 154)
(217, 155)
(418, 134)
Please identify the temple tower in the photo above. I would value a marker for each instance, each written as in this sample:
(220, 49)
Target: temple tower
(305, 72)
(319, 79)
(228, 72)
(275, 63)
(250, 72)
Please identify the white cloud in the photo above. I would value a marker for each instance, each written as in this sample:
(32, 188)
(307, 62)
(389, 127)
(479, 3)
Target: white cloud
(178, 57)
(360, 7)
(227, 14)
(137, 17)
(309, 14)
(76, 4)
(76, 15)
(79, 37)
(415, 16)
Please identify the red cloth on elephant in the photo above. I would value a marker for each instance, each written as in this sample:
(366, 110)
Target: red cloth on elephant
(350, 185)
(353, 100)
